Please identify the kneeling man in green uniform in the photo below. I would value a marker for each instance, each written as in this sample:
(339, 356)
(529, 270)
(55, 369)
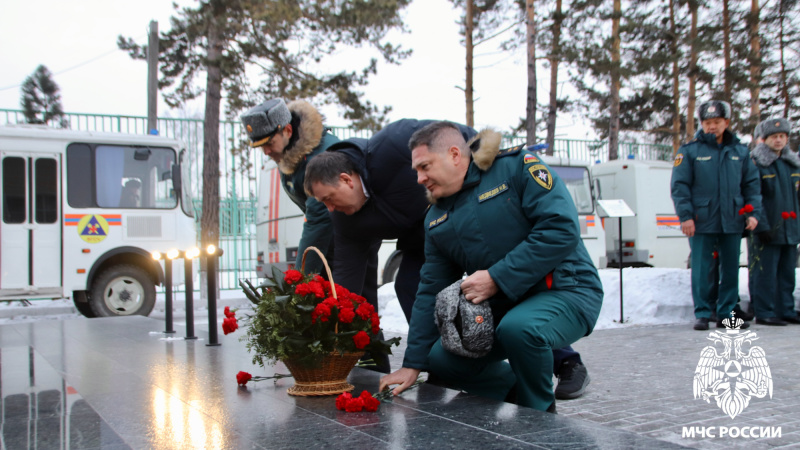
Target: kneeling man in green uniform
(507, 220)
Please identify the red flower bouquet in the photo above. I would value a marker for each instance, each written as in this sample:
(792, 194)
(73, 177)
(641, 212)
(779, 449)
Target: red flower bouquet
(305, 317)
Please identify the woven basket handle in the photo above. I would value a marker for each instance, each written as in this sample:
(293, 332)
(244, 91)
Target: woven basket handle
(324, 262)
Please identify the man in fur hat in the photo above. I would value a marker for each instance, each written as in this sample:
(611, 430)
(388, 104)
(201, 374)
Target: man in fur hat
(291, 135)
(508, 221)
(717, 196)
(773, 249)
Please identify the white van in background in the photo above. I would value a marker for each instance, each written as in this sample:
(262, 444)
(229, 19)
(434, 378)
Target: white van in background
(653, 237)
(82, 212)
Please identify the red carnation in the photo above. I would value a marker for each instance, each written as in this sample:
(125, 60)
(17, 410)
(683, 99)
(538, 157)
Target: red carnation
(715, 255)
(229, 313)
(748, 208)
(741, 211)
(341, 291)
(346, 315)
(316, 288)
(357, 298)
(370, 403)
(242, 378)
(361, 339)
(303, 289)
(229, 325)
(292, 276)
(322, 311)
(355, 404)
(376, 323)
(365, 311)
(341, 401)
(319, 279)
(785, 215)
(792, 215)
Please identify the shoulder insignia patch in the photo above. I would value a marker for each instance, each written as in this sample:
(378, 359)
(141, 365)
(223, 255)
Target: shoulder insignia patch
(494, 192)
(529, 159)
(678, 160)
(541, 175)
(509, 151)
(436, 222)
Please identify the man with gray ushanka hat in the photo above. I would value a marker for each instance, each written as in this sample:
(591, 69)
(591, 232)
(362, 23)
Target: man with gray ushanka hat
(716, 194)
(290, 135)
(773, 249)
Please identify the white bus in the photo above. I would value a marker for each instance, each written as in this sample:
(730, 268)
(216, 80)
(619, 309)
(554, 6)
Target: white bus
(279, 222)
(82, 212)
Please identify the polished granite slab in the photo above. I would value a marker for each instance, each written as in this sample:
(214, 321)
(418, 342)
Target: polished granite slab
(120, 383)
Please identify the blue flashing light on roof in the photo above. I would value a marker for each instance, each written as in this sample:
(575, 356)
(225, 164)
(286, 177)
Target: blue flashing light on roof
(537, 147)
(631, 156)
(153, 132)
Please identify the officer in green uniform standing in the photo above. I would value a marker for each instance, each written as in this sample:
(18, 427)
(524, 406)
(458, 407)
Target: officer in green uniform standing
(717, 196)
(508, 221)
(773, 249)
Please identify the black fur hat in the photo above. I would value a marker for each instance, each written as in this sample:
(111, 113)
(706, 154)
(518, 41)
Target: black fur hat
(713, 109)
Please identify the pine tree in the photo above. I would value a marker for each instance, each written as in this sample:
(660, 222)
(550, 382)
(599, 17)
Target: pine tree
(41, 98)
(286, 40)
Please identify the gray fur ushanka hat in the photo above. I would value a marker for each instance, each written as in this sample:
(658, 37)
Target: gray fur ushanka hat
(774, 126)
(467, 329)
(262, 121)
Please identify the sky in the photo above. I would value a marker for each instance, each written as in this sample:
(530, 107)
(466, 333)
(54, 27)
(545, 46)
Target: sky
(77, 42)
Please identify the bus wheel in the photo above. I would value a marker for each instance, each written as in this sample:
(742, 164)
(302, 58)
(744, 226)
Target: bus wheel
(81, 301)
(123, 290)
(391, 268)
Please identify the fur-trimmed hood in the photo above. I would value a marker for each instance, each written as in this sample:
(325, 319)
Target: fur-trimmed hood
(765, 156)
(306, 135)
(485, 147)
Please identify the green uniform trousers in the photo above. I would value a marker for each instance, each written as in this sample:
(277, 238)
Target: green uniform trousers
(526, 335)
(772, 279)
(703, 246)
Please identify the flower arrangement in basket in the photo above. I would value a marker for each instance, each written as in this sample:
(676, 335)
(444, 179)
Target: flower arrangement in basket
(317, 328)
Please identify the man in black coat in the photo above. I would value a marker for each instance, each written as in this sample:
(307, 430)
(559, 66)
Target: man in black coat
(373, 195)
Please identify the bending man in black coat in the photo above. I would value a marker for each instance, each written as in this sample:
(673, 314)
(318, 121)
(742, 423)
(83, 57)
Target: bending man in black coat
(372, 193)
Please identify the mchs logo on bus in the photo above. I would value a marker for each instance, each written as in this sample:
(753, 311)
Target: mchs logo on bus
(92, 228)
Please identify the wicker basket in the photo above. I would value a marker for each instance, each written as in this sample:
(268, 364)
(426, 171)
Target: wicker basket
(330, 377)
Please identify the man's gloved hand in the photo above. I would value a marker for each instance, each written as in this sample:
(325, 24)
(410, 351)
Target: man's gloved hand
(765, 237)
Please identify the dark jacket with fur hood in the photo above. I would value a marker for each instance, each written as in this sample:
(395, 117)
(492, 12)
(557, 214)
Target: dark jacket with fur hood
(515, 218)
(780, 178)
(309, 138)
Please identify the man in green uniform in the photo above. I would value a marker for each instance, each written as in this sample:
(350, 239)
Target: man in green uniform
(717, 196)
(508, 221)
(291, 135)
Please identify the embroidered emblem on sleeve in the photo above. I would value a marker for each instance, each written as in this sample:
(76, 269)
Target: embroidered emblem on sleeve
(678, 159)
(529, 159)
(541, 175)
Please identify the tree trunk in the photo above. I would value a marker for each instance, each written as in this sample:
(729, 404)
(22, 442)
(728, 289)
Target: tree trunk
(555, 56)
(209, 222)
(784, 87)
(726, 40)
(755, 64)
(690, 106)
(613, 123)
(530, 108)
(468, 44)
(676, 83)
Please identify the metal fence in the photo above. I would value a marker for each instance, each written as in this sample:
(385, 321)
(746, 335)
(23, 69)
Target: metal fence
(240, 171)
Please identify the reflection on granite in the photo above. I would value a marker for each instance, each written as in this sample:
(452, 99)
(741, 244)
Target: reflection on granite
(114, 383)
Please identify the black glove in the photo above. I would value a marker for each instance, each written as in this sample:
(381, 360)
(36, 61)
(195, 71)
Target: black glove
(765, 237)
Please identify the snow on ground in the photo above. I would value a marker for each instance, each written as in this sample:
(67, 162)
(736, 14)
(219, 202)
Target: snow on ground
(651, 296)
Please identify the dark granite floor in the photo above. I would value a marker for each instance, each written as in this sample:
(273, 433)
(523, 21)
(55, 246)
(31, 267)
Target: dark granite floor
(119, 383)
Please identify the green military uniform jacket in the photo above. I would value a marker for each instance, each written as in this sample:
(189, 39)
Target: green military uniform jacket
(309, 140)
(780, 178)
(513, 217)
(712, 182)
